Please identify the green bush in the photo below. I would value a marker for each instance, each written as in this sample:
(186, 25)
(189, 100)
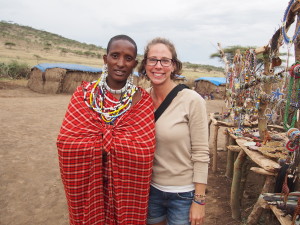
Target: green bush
(14, 70)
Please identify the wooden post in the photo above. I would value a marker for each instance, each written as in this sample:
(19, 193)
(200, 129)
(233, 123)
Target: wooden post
(215, 148)
(227, 138)
(261, 203)
(230, 158)
(245, 172)
(235, 186)
(209, 123)
(226, 62)
(262, 120)
(229, 164)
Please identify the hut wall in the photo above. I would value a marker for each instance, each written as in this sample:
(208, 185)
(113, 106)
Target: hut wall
(35, 79)
(204, 87)
(47, 82)
(73, 79)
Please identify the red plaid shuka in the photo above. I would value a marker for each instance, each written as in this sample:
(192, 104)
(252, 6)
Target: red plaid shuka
(106, 169)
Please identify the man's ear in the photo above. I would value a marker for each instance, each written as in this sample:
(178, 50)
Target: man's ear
(105, 59)
(136, 63)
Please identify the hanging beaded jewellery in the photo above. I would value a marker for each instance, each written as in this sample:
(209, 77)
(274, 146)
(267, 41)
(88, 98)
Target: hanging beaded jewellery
(286, 38)
(98, 97)
(294, 73)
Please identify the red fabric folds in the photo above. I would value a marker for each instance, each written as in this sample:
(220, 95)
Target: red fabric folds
(106, 169)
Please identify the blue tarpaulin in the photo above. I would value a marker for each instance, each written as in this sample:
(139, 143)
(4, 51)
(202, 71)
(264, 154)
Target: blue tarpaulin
(215, 80)
(180, 76)
(75, 67)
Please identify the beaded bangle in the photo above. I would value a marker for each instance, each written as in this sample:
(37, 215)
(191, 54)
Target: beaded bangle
(202, 202)
(199, 195)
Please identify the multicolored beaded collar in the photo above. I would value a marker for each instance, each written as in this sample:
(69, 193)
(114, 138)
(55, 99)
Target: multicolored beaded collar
(98, 98)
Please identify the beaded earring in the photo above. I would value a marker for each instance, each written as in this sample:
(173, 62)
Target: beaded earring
(130, 80)
(104, 70)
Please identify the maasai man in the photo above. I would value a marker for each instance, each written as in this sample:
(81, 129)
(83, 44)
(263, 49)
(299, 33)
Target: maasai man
(106, 144)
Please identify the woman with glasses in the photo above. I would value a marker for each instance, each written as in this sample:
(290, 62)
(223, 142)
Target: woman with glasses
(106, 144)
(180, 169)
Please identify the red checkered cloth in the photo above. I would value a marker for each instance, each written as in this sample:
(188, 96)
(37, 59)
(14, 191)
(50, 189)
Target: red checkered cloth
(109, 188)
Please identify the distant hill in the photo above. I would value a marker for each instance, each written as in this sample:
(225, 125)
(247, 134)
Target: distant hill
(26, 44)
(32, 46)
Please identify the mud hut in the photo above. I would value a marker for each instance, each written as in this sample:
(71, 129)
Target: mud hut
(211, 87)
(56, 78)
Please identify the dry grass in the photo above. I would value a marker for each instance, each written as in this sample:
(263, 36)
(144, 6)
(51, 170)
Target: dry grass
(29, 56)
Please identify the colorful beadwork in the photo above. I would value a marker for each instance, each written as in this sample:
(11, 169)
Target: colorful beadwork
(286, 38)
(98, 97)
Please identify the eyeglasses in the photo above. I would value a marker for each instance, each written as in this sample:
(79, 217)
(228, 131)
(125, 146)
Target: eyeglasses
(164, 62)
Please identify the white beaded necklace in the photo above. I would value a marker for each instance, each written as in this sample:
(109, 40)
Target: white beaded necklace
(120, 91)
(98, 96)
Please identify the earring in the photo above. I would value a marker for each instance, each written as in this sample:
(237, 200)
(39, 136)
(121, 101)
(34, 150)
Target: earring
(130, 79)
(104, 70)
(103, 74)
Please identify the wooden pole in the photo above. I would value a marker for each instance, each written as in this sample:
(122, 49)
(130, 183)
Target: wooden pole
(209, 123)
(224, 58)
(261, 203)
(245, 172)
(215, 148)
(230, 157)
(235, 186)
(262, 120)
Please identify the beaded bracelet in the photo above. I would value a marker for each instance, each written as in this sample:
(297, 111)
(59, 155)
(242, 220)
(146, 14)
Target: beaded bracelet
(199, 195)
(202, 202)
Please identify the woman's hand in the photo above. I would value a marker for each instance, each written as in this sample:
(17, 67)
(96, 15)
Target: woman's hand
(197, 214)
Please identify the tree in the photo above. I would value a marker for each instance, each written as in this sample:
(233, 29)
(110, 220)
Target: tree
(63, 51)
(231, 51)
(9, 44)
(37, 57)
(194, 66)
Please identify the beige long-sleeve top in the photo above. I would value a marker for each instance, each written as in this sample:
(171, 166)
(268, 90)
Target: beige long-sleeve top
(182, 153)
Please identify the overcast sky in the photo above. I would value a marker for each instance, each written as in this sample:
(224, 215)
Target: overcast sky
(194, 26)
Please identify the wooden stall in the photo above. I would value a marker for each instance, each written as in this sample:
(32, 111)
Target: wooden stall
(271, 97)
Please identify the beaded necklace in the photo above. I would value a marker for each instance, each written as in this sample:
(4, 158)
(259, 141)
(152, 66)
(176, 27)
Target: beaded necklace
(98, 99)
(286, 38)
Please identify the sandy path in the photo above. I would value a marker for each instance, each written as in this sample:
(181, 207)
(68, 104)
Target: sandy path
(31, 191)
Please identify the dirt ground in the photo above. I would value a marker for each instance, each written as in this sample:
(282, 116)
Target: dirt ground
(31, 192)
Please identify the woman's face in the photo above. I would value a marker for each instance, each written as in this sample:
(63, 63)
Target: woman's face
(159, 74)
(120, 61)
